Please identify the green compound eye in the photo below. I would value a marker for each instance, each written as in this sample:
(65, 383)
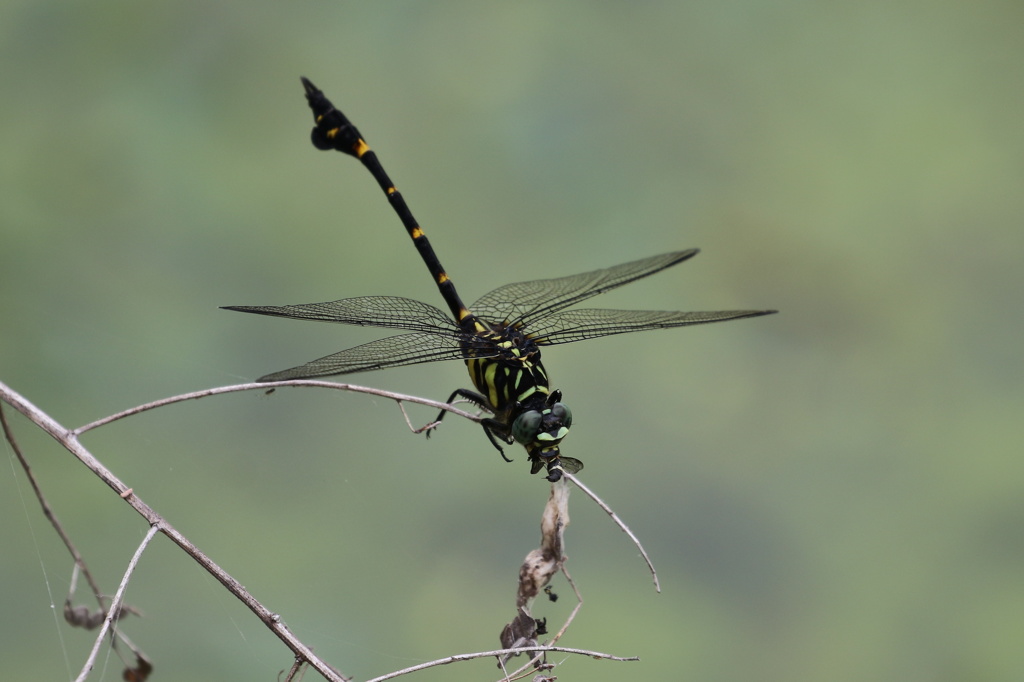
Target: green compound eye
(526, 427)
(561, 411)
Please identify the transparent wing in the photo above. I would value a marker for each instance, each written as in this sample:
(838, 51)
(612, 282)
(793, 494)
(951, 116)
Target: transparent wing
(570, 464)
(393, 351)
(591, 323)
(526, 302)
(392, 312)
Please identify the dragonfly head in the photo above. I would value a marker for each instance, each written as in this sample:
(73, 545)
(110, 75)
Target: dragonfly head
(541, 431)
(543, 428)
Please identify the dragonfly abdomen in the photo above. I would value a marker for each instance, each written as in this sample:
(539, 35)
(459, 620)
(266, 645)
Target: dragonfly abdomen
(334, 131)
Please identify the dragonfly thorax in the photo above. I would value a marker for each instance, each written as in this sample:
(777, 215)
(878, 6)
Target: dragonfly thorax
(512, 373)
(513, 344)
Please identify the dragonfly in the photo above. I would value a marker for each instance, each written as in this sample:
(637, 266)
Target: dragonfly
(499, 337)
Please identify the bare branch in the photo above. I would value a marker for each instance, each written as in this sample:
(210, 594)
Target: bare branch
(501, 653)
(546, 560)
(115, 606)
(417, 430)
(195, 395)
(619, 523)
(296, 672)
(575, 610)
(48, 511)
(68, 439)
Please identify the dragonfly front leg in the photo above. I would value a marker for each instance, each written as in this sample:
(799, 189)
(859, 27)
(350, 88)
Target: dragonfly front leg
(467, 394)
(494, 428)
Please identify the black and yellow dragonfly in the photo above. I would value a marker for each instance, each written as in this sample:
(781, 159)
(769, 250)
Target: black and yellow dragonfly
(499, 337)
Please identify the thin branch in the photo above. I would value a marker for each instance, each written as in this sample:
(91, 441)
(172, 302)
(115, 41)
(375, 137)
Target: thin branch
(572, 615)
(619, 523)
(115, 606)
(296, 672)
(48, 511)
(501, 652)
(417, 430)
(70, 442)
(195, 395)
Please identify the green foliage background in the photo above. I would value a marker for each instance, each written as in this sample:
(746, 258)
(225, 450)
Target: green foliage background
(834, 493)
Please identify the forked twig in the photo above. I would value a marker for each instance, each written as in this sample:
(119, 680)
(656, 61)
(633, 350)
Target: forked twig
(296, 672)
(69, 440)
(416, 429)
(115, 605)
(79, 616)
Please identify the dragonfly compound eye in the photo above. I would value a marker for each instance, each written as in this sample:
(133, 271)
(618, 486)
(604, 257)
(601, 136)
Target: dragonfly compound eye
(526, 426)
(562, 412)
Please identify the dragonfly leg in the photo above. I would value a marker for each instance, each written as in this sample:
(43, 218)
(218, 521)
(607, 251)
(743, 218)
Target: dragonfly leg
(465, 393)
(494, 428)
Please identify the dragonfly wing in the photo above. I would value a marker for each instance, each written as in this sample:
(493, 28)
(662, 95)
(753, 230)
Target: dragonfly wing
(527, 301)
(573, 466)
(392, 312)
(591, 323)
(393, 351)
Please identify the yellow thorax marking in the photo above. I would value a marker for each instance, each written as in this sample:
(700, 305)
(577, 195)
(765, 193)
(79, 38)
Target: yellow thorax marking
(492, 389)
(526, 394)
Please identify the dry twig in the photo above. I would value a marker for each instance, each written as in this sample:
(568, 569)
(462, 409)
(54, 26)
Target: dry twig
(620, 524)
(535, 574)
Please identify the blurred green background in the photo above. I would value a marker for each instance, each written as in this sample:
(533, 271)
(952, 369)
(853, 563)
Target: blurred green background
(833, 493)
